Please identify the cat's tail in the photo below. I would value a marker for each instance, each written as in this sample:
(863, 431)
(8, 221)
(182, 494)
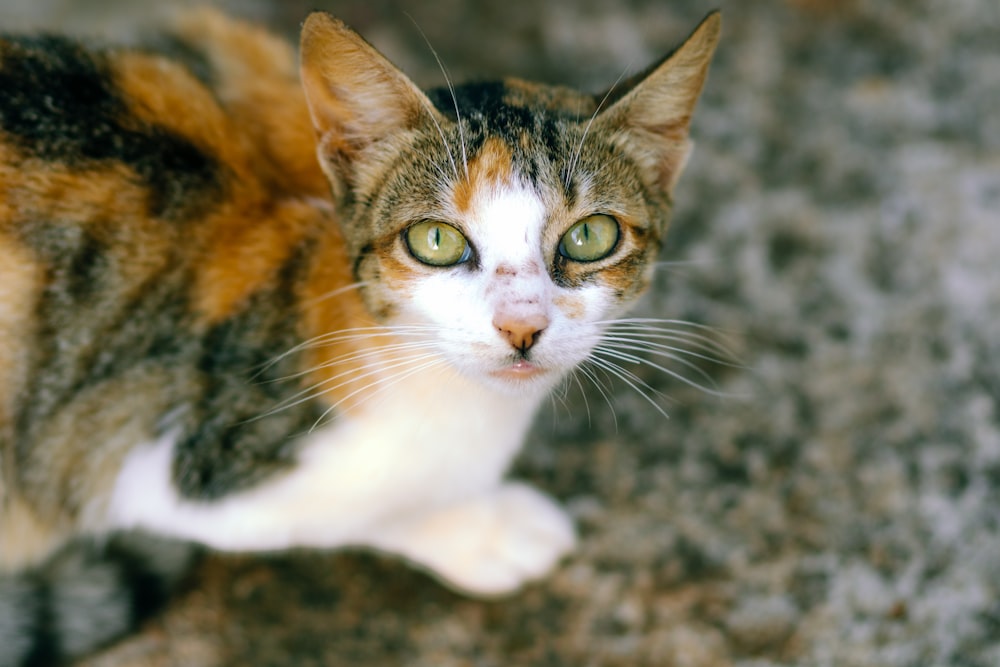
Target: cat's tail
(85, 596)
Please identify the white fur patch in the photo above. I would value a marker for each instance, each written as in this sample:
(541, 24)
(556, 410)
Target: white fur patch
(445, 441)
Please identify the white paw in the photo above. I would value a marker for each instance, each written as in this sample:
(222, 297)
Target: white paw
(493, 544)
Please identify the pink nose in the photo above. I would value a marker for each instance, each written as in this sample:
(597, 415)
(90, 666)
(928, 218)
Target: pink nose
(521, 332)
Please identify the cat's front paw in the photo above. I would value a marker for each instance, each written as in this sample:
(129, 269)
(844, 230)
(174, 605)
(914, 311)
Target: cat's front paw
(493, 544)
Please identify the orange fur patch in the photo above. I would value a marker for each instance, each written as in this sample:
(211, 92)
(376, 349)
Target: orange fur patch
(245, 246)
(33, 189)
(20, 284)
(570, 305)
(259, 85)
(24, 540)
(256, 124)
(108, 202)
(163, 93)
(490, 168)
(344, 365)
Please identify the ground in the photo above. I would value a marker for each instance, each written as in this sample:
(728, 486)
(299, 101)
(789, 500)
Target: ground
(835, 500)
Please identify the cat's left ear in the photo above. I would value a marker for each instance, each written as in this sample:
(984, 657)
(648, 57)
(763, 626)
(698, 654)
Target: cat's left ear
(656, 107)
(355, 95)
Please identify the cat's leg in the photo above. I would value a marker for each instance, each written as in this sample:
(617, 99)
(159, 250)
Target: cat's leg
(490, 541)
(487, 545)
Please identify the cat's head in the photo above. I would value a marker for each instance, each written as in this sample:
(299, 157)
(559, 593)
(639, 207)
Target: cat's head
(509, 221)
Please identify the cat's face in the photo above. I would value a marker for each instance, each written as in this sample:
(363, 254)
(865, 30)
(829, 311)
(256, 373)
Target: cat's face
(511, 259)
(500, 226)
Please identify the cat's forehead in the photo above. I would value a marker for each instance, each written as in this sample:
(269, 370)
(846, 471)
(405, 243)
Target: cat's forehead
(512, 102)
(510, 132)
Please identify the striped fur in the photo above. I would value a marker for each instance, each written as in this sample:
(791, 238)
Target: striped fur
(175, 278)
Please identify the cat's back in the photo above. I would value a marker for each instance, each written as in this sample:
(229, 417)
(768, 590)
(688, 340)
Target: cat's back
(146, 191)
(116, 161)
(206, 99)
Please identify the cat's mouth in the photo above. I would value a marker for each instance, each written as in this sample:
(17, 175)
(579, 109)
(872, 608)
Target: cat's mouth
(521, 369)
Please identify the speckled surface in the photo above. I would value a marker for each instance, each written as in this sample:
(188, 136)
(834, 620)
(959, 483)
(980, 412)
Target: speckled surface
(840, 504)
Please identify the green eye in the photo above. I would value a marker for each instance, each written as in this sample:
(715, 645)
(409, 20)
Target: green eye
(590, 239)
(437, 243)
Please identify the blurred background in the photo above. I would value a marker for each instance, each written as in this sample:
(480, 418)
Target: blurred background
(838, 501)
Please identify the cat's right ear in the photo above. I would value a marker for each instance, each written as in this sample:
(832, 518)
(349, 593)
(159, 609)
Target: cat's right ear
(356, 97)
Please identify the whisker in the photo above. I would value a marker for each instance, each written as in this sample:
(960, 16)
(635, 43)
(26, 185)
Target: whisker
(677, 264)
(358, 355)
(352, 375)
(575, 159)
(382, 384)
(355, 333)
(601, 389)
(558, 399)
(586, 402)
(346, 335)
(657, 323)
(631, 358)
(700, 350)
(631, 379)
(318, 389)
(694, 333)
(336, 292)
(454, 99)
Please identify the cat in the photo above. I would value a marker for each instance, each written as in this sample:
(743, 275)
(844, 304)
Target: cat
(255, 306)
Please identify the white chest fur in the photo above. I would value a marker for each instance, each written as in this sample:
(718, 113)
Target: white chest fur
(419, 474)
(426, 442)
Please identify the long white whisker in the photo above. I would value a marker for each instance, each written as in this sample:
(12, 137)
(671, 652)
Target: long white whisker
(678, 264)
(332, 293)
(694, 334)
(381, 384)
(583, 392)
(571, 168)
(596, 381)
(352, 374)
(454, 99)
(655, 323)
(359, 355)
(344, 335)
(613, 352)
(320, 388)
(631, 379)
(699, 351)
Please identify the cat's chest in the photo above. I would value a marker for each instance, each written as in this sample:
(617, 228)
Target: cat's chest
(421, 442)
(423, 430)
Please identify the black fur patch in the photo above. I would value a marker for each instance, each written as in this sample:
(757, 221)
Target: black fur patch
(88, 330)
(178, 50)
(485, 102)
(59, 104)
(485, 112)
(239, 432)
(89, 594)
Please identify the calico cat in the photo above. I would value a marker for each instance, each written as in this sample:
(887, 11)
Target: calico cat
(199, 342)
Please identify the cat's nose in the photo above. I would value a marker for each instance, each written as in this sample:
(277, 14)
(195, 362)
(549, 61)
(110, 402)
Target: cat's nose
(521, 332)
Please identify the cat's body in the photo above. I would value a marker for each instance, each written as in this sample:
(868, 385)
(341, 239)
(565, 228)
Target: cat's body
(197, 342)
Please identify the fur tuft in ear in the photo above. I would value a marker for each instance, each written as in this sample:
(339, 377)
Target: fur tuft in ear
(356, 97)
(656, 108)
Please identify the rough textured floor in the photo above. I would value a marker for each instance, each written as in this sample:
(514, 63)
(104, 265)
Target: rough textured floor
(839, 503)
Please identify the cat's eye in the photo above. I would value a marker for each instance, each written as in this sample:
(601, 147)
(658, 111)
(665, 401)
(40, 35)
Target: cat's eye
(590, 239)
(437, 243)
